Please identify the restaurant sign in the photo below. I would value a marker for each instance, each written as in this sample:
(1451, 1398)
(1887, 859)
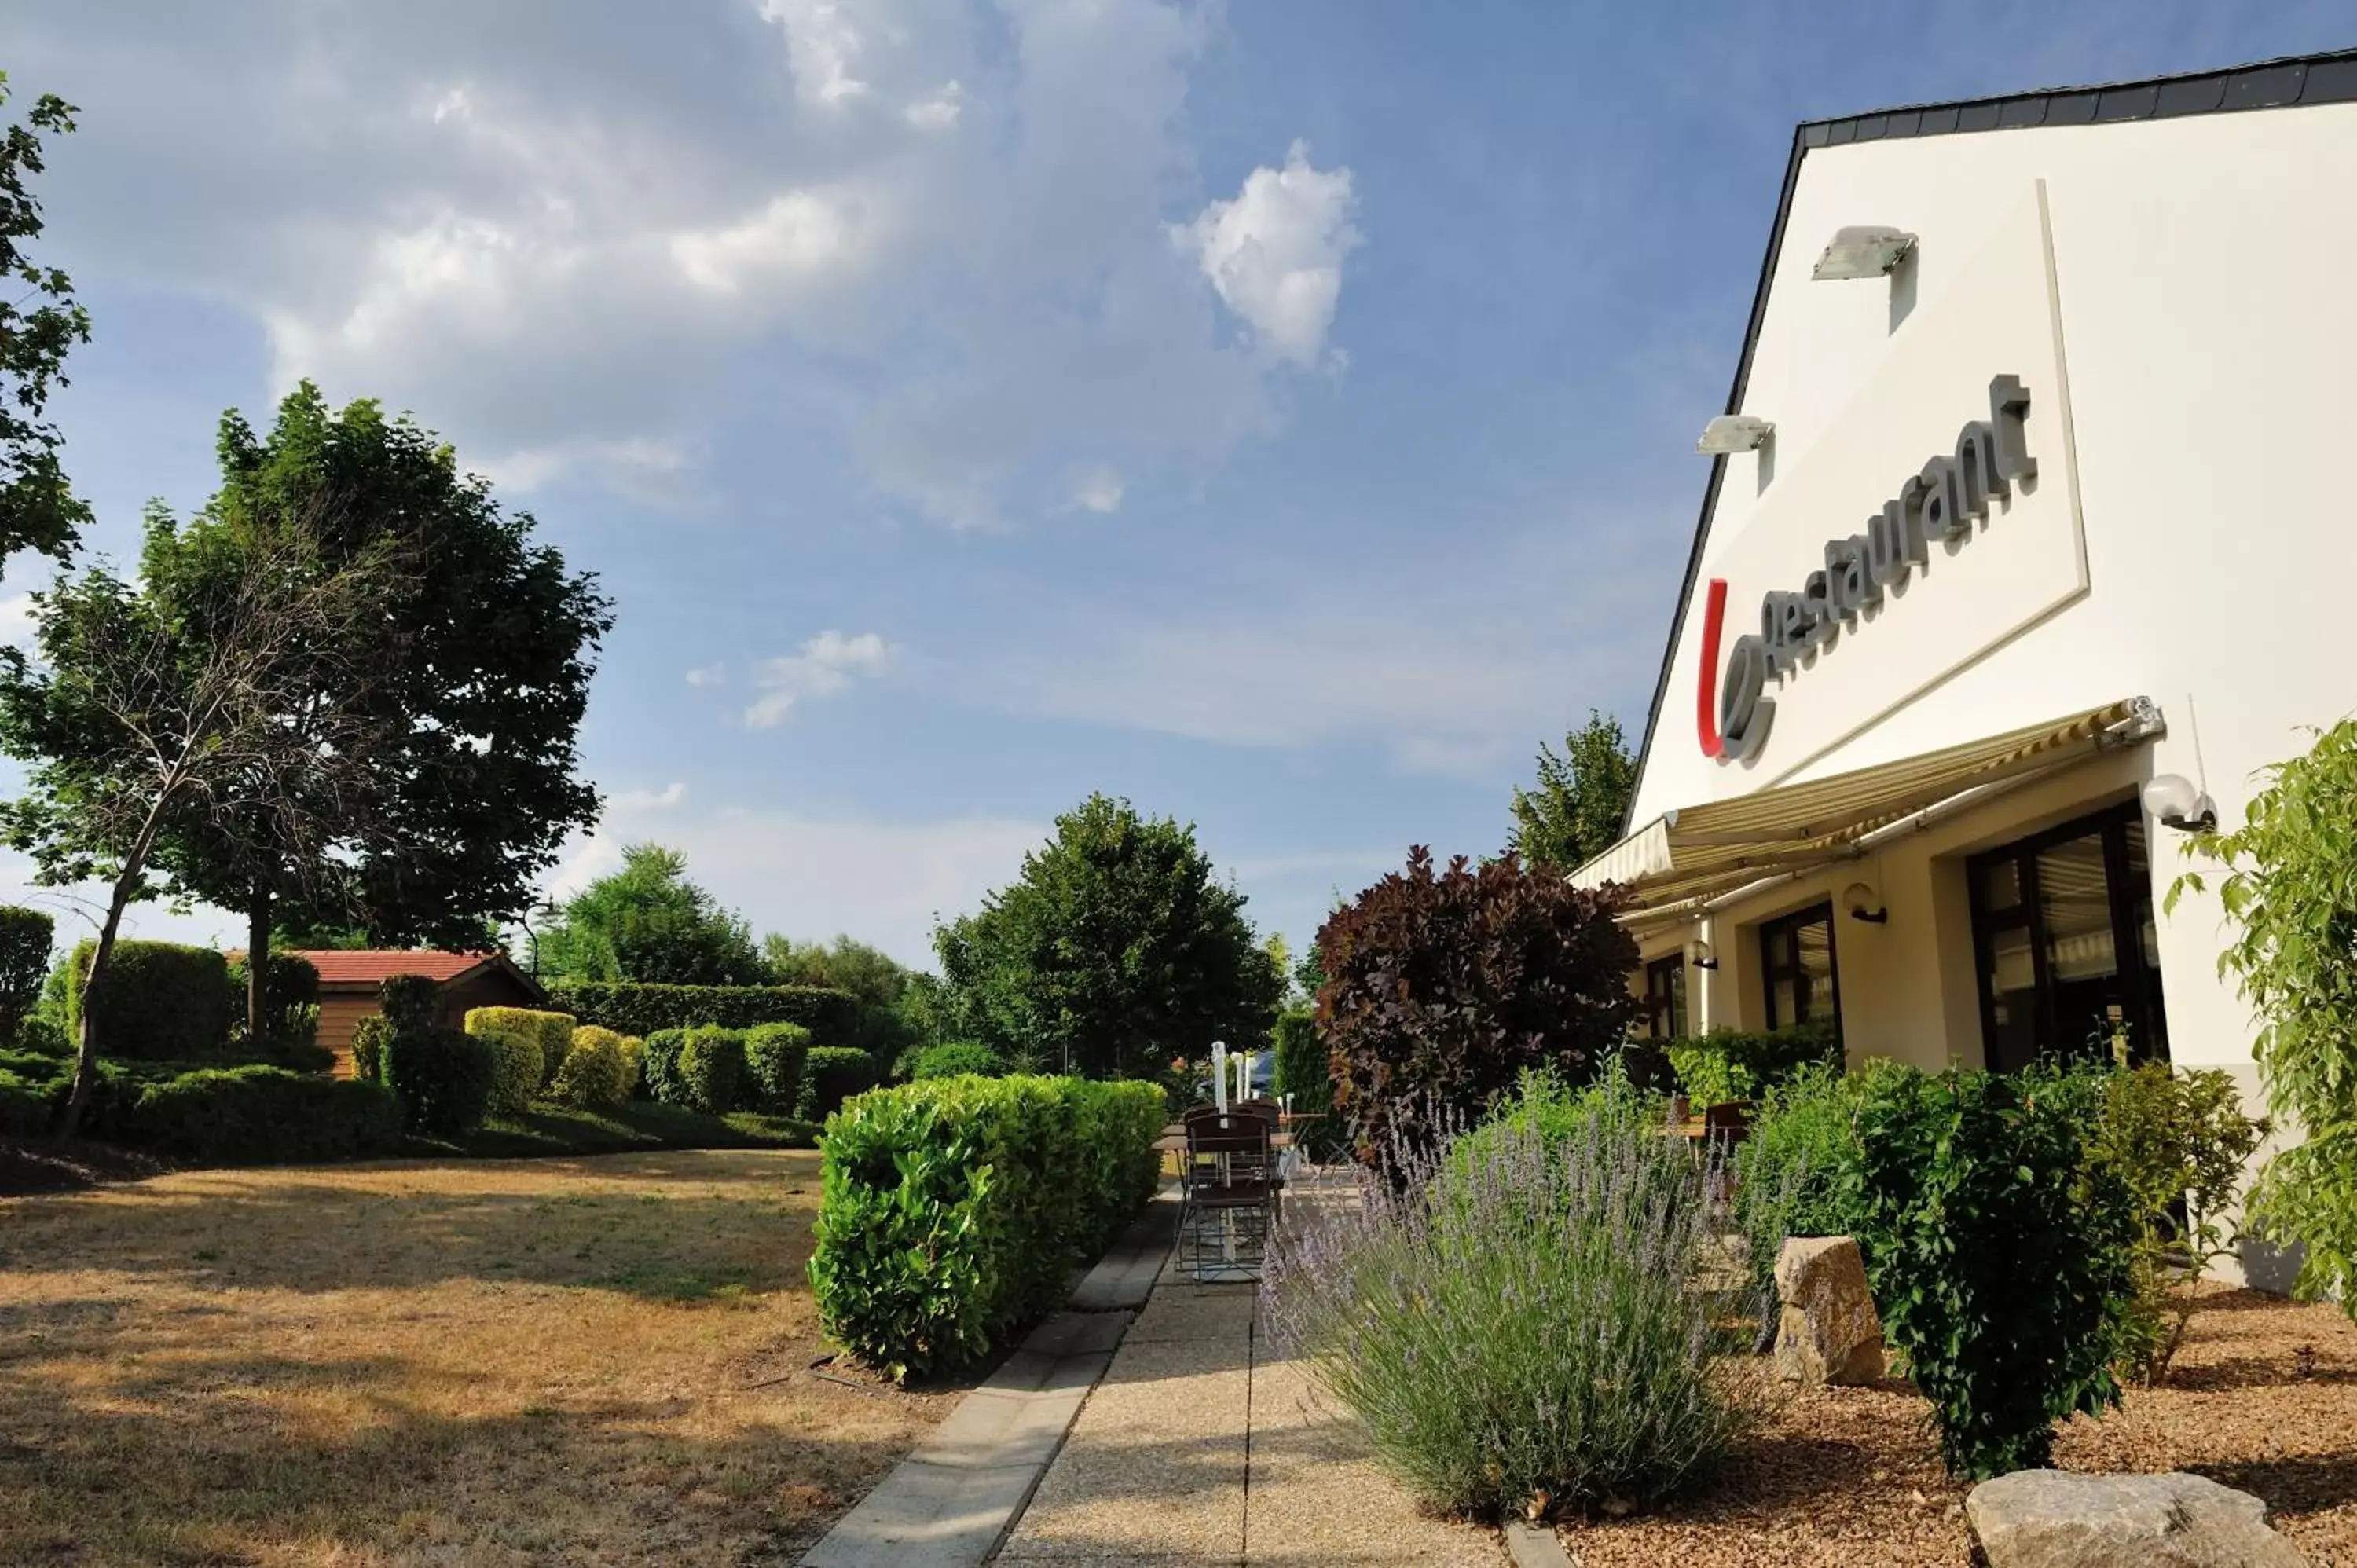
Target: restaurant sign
(1939, 504)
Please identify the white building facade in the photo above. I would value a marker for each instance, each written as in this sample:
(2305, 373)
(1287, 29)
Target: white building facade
(2061, 505)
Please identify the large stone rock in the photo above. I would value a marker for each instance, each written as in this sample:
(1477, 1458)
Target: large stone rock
(1828, 1333)
(2051, 1518)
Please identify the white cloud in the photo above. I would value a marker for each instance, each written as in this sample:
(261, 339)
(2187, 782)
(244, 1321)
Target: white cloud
(17, 622)
(1275, 253)
(947, 226)
(670, 794)
(1098, 490)
(823, 666)
(811, 876)
(708, 676)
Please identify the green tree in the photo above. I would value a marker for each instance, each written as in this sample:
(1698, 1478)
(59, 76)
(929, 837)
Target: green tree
(2290, 885)
(482, 648)
(648, 922)
(869, 974)
(1115, 952)
(38, 510)
(1575, 810)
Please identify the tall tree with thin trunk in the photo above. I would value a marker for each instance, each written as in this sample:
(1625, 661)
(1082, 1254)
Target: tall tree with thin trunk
(148, 717)
(1575, 813)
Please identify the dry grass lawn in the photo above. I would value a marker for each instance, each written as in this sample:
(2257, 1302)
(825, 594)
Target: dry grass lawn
(602, 1361)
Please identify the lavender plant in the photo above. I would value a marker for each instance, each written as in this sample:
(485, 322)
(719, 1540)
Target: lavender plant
(1519, 1321)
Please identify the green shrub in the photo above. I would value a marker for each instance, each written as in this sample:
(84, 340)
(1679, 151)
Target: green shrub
(516, 1063)
(297, 1052)
(290, 997)
(699, 1069)
(1516, 1322)
(265, 1115)
(774, 1054)
(162, 1000)
(643, 1010)
(368, 1037)
(2001, 1255)
(2179, 1142)
(40, 1033)
(409, 1001)
(553, 1032)
(600, 1071)
(953, 1210)
(1304, 1078)
(25, 938)
(443, 1078)
(831, 1075)
(24, 1105)
(1729, 1064)
(1791, 1169)
(956, 1059)
(1443, 986)
(2290, 869)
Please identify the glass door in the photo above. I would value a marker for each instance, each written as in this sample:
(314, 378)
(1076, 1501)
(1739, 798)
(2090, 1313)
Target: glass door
(1796, 960)
(2068, 950)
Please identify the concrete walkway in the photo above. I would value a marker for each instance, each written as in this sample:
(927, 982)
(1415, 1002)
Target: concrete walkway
(1202, 1448)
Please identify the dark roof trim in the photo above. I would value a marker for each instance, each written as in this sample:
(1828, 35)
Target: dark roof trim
(2329, 78)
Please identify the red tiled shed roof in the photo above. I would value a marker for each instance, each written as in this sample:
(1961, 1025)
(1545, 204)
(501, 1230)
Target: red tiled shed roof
(371, 966)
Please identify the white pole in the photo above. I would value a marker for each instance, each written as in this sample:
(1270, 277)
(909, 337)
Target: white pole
(1220, 1073)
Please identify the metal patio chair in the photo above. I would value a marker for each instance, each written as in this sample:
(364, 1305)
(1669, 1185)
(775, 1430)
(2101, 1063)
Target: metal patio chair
(1227, 1195)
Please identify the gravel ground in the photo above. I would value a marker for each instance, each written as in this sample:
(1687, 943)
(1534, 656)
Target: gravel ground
(2262, 1396)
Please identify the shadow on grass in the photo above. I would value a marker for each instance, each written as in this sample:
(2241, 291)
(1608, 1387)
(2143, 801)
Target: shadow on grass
(200, 1464)
(679, 1229)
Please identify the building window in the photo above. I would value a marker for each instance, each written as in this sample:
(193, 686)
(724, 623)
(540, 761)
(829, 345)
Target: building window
(1796, 962)
(2066, 944)
(1663, 1013)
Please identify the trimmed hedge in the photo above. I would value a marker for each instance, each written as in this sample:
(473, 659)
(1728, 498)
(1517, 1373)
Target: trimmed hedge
(265, 1115)
(952, 1210)
(516, 1063)
(831, 1075)
(161, 1001)
(600, 1071)
(956, 1059)
(443, 1078)
(553, 1032)
(698, 1068)
(25, 938)
(643, 1010)
(407, 1001)
(774, 1055)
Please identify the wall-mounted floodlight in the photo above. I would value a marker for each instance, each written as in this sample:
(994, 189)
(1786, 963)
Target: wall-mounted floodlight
(1734, 432)
(1863, 251)
(2180, 804)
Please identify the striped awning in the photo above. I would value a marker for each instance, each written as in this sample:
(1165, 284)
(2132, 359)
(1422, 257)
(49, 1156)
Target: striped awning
(1686, 857)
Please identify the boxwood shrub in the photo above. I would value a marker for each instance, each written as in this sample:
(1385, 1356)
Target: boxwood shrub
(698, 1068)
(774, 1055)
(290, 997)
(642, 1010)
(1729, 1064)
(368, 1037)
(831, 1075)
(956, 1058)
(408, 1001)
(161, 1001)
(25, 936)
(952, 1210)
(553, 1032)
(600, 1071)
(265, 1115)
(443, 1078)
(516, 1063)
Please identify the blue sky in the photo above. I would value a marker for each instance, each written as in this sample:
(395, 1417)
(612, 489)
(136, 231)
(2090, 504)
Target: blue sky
(1279, 413)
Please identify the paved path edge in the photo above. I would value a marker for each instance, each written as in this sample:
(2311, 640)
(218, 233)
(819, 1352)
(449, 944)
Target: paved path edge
(1532, 1546)
(951, 1503)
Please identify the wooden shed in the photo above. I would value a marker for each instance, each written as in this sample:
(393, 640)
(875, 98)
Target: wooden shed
(349, 981)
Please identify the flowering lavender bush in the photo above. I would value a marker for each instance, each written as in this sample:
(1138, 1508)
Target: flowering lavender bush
(1519, 1322)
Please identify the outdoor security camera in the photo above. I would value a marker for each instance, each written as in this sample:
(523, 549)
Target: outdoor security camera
(2181, 804)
